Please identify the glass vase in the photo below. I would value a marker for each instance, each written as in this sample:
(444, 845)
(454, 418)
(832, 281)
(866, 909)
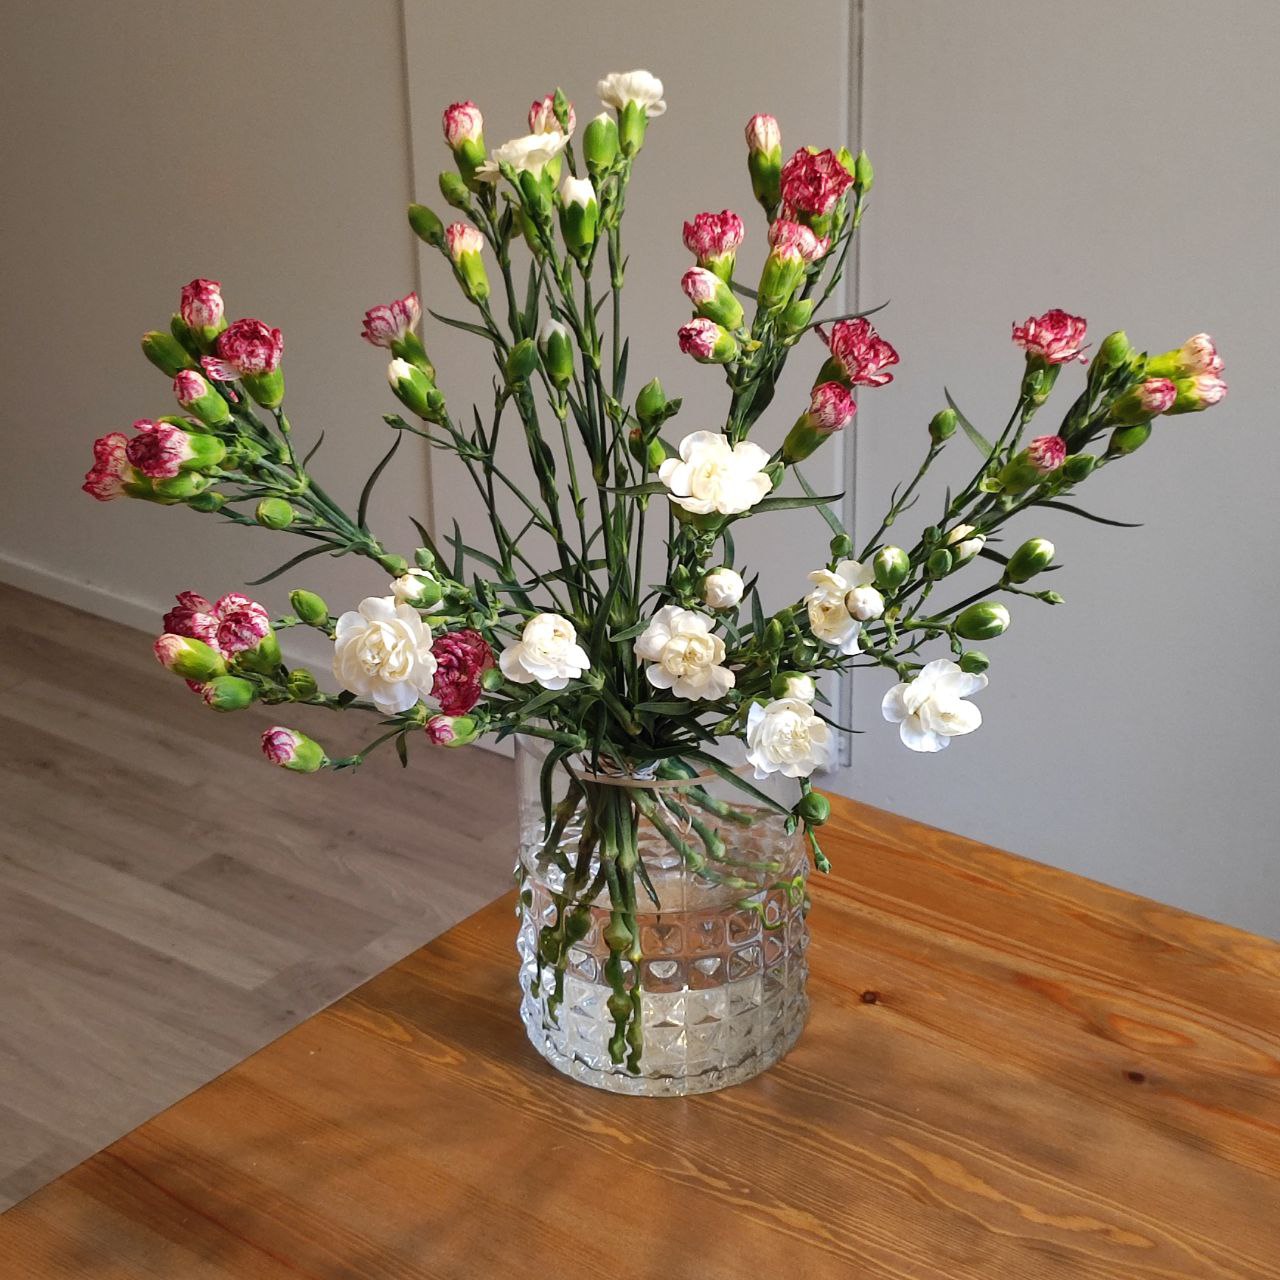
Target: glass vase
(704, 988)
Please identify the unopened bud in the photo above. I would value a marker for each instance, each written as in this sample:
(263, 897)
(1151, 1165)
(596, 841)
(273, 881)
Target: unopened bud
(942, 426)
(600, 143)
(454, 190)
(292, 750)
(426, 226)
(891, 566)
(521, 361)
(165, 352)
(1114, 352)
(189, 658)
(274, 513)
(228, 693)
(793, 684)
(975, 662)
(841, 547)
(1034, 556)
(302, 685)
(1126, 440)
(651, 404)
(813, 808)
(556, 347)
(864, 175)
(452, 731)
(982, 621)
(309, 608)
(415, 390)
(939, 563)
(1078, 466)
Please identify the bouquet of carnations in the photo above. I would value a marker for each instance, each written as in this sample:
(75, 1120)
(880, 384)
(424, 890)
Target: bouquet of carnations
(627, 653)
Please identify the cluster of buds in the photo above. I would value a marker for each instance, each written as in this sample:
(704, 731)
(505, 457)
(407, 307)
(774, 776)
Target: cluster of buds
(793, 249)
(411, 374)
(167, 461)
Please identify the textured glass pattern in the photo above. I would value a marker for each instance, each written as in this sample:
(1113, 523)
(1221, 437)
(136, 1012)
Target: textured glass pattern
(723, 974)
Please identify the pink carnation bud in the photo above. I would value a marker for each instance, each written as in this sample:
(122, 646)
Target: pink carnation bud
(711, 236)
(105, 480)
(1205, 389)
(189, 386)
(245, 347)
(462, 658)
(698, 338)
(193, 616)
(763, 134)
(542, 116)
(462, 123)
(169, 650)
(795, 241)
(292, 750)
(1047, 453)
(1156, 395)
(700, 285)
(159, 449)
(201, 305)
(392, 321)
(460, 239)
(1055, 337)
(861, 352)
(813, 182)
(1200, 355)
(831, 407)
(439, 730)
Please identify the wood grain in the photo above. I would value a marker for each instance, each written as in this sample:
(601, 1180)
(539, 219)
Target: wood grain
(1009, 1072)
(156, 928)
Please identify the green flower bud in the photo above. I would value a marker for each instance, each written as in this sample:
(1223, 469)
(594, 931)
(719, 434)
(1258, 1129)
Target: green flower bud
(228, 693)
(521, 361)
(309, 608)
(891, 566)
(796, 316)
(454, 190)
(207, 502)
(556, 347)
(975, 662)
(293, 750)
(600, 143)
(651, 404)
(982, 621)
(274, 513)
(579, 216)
(492, 680)
(186, 336)
(424, 559)
(165, 352)
(1051, 597)
(189, 658)
(712, 298)
(652, 453)
(939, 563)
(773, 635)
(793, 684)
(415, 390)
(263, 658)
(183, 487)
(1114, 352)
(841, 547)
(813, 808)
(426, 226)
(1034, 556)
(942, 426)
(302, 685)
(633, 120)
(1126, 440)
(863, 174)
(778, 280)
(265, 389)
(452, 731)
(1078, 466)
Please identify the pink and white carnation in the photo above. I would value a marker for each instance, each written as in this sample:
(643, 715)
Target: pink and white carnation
(391, 322)
(1056, 337)
(462, 239)
(1047, 453)
(201, 305)
(235, 624)
(160, 449)
(1199, 354)
(813, 182)
(831, 407)
(462, 122)
(462, 658)
(1156, 395)
(280, 745)
(699, 338)
(795, 241)
(701, 286)
(189, 386)
(711, 237)
(111, 469)
(542, 117)
(763, 134)
(860, 352)
(245, 348)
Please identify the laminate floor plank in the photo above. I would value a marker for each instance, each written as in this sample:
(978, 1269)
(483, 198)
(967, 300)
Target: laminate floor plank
(169, 903)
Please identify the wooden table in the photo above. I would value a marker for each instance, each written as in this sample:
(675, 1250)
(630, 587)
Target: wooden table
(1009, 1072)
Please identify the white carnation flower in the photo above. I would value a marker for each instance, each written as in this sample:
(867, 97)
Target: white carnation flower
(841, 599)
(787, 736)
(686, 658)
(931, 709)
(383, 651)
(645, 90)
(713, 475)
(547, 651)
(722, 588)
(530, 154)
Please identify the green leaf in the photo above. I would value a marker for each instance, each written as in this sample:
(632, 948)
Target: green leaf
(980, 442)
(462, 324)
(742, 290)
(629, 633)
(672, 707)
(402, 750)
(833, 522)
(648, 489)
(289, 564)
(1088, 515)
(367, 492)
(757, 613)
(737, 780)
(311, 453)
(791, 504)
(848, 315)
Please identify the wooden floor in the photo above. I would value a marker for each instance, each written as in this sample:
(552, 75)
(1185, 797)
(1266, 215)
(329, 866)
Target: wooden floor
(169, 902)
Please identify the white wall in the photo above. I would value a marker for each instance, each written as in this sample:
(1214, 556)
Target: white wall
(1110, 163)
(1118, 160)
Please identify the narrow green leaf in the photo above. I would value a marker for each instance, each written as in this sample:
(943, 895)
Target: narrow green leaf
(792, 503)
(289, 564)
(402, 750)
(737, 780)
(311, 453)
(1088, 515)
(648, 489)
(366, 493)
(980, 442)
(629, 633)
(833, 521)
(462, 324)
